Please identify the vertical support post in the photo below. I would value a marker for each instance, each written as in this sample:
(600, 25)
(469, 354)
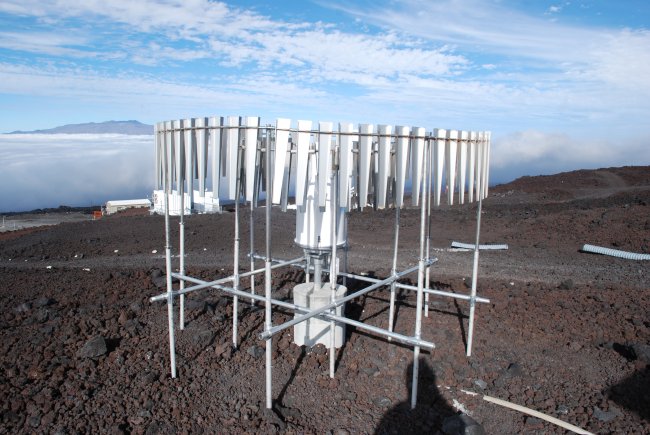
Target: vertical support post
(429, 168)
(418, 309)
(181, 224)
(235, 299)
(472, 299)
(333, 275)
(168, 252)
(182, 168)
(345, 248)
(252, 249)
(393, 272)
(267, 276)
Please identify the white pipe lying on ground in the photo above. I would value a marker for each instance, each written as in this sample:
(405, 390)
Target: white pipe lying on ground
(614, 253)
(481, 247)
(537, 414)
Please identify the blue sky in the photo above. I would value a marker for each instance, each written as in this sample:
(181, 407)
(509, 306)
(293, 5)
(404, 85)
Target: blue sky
(561, 84)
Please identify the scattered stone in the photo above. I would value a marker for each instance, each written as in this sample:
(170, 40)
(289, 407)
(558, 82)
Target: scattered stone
(606, 416)
(481, 384)
(255, 351)
(567, 284)
(534, 423)
(382, 402)
(150, 377)
(562, 409)
(642, 352)
(461, 424)
(514, 370)
(34, 421)
(23, 308)
(44, 302)
(42, 316)
(94, 348)
(195, 305)
(203, 338)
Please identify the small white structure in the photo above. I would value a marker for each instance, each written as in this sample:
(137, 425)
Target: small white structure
(115, 206)
(199, 204)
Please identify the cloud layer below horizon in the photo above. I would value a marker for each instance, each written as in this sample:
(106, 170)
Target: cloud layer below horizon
(41, 171)
(49, 170)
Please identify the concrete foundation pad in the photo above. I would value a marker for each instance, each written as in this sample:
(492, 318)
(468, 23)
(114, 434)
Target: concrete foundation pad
(314, 331)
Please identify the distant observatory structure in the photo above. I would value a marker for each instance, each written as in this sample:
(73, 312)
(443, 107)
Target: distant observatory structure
(331, 170)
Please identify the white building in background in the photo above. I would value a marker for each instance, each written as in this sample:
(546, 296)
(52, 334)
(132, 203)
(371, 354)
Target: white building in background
(115, 206)
(200, 204)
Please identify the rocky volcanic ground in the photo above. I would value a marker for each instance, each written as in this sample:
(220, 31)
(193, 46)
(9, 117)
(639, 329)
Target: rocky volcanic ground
(566, 333)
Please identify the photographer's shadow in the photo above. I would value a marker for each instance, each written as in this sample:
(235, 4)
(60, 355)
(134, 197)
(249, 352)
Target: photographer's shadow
(429, 413)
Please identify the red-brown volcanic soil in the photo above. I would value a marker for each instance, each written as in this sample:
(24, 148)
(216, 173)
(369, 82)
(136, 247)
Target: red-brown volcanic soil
(566, 333)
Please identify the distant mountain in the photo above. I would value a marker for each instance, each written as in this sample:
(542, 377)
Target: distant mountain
(108, 127)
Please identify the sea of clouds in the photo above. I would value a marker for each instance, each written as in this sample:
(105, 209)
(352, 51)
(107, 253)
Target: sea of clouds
(49, 170)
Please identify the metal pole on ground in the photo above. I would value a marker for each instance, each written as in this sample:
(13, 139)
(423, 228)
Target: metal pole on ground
(252, 248)
(418, 309)
(333, 275)
(428, 271)
(181, 243)
(168, 260)
(472, 300)
(235, 299)
(393, 272)
(267, 277)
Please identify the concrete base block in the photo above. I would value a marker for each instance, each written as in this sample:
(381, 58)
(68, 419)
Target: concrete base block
(314, 331)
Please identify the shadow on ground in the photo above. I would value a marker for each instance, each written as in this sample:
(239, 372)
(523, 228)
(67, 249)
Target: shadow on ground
(428, 415)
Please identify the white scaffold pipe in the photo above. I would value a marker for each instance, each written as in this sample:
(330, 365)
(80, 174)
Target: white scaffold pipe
(181, 268)
(401, 338)
(268, 310)
(431, 291)
(167, 177)
(614, 252)
(485, 247)
(472, 301)
(209, 284)
(555, 421)
(420, 293)
(333, 277)
(235, 300)
(251, 254)
(391, 308)
(278, 328)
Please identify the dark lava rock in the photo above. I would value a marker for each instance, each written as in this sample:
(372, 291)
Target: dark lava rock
(44, 302)
(195, 305)
(462, 424)
(94, 348)
(566, 284)
(23, 308)
(203, 338)
(606, 416)
(642, 352)
(382, 402)
(514, 370)
(481, 384)
(255, 351)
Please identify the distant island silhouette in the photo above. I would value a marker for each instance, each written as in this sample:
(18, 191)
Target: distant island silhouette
(130, 127)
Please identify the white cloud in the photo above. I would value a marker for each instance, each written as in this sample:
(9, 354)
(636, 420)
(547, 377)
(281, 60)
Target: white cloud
(536, 152)
(79, 170)
(50, 43)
